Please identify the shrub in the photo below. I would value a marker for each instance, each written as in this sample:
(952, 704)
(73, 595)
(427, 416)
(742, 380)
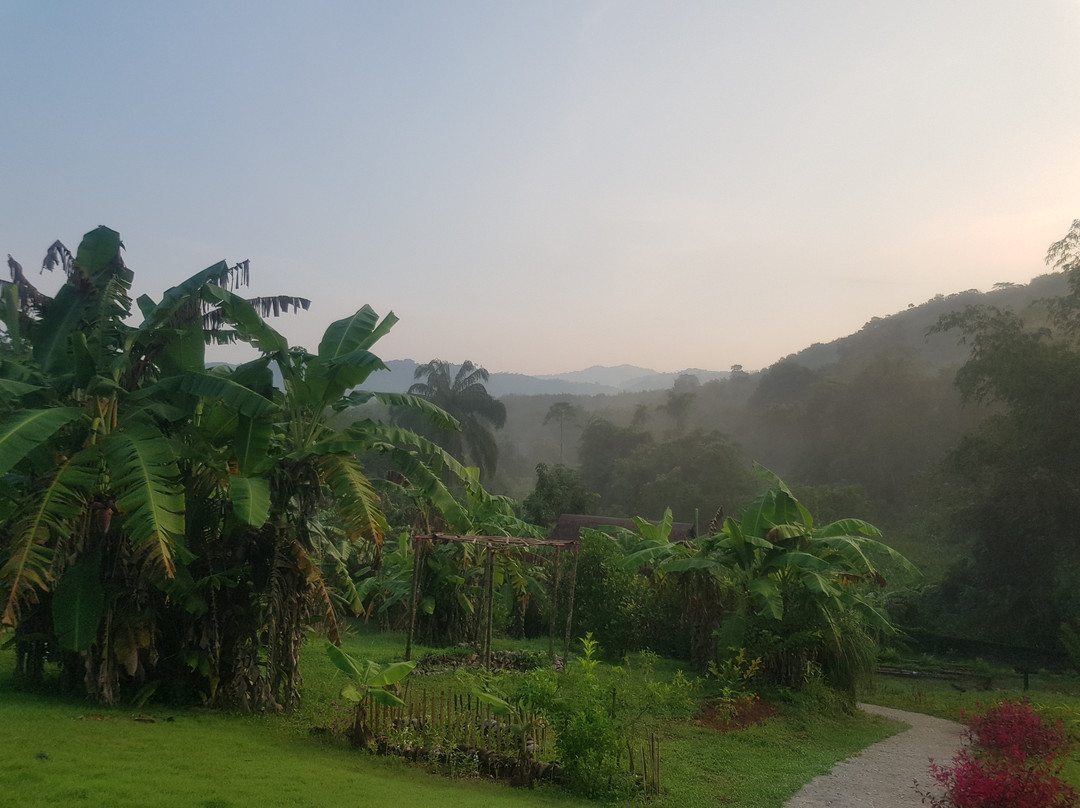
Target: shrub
(610, 602)
(1011, 762)
(995, 782)
(1012, 729)
(601, 714)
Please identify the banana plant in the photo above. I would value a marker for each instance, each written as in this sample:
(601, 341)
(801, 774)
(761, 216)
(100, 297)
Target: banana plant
(804, 590)
(149, 500)
(371, 683)
(98, 422)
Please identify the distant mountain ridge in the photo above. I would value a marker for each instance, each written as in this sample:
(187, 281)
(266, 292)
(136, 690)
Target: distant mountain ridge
(592, 381)
(904, 331)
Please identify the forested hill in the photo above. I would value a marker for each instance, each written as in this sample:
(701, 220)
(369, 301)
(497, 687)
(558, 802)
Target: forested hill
(860, 423)
(906, 331)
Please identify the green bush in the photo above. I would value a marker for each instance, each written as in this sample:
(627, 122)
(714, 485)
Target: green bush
(611, 603)
(601, 713)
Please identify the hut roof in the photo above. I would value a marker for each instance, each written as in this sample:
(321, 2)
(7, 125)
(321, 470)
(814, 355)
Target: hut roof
(568, 529)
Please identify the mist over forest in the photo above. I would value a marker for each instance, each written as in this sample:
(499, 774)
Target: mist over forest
(874, 425)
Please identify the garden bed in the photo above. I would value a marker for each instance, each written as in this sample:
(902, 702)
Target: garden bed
(724, 715)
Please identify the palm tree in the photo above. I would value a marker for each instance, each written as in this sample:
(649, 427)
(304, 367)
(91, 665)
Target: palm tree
(465, 397)
(562, 412)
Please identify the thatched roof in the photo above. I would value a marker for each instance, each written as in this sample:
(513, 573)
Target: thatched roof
(568, 529)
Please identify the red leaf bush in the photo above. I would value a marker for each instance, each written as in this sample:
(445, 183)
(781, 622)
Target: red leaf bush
(1010, 763)
(1012, 728)
(1005, 782)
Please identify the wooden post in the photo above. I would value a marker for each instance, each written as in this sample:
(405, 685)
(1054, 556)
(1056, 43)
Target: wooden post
(554, 607)
(416, 571)
(570, 607)
(489, 606)
(656, 763)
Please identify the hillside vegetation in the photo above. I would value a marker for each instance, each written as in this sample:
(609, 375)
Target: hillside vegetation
(872, 423)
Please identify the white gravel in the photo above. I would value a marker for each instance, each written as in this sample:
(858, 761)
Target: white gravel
(883, 775)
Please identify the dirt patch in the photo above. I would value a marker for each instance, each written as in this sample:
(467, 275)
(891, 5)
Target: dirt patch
(731, 717)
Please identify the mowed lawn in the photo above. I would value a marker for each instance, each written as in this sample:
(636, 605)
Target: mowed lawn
(59, 752)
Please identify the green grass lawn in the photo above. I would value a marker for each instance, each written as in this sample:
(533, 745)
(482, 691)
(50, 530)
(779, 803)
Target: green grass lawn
(761, 766)
(57, 751)
(54, 755)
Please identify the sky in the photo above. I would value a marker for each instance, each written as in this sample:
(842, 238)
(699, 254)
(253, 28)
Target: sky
(542, 186)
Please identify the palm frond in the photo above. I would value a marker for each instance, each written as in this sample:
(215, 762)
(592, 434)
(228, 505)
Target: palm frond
(358, 332)
(233, 395)
(35, 533)
(25, 430)
(99, 252)
(11, 389)
(249, 326)
(252, 445)
(469, 375)
(58, 256)
(61, 318)
(276, 305)
(328, 379)
(29, 296)
(179, 297)
(357, 503)
(149, 495)
(419, 404)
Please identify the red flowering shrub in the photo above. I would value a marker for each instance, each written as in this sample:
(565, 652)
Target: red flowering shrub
(1012, 728)
(999, 782)
(1010, 763)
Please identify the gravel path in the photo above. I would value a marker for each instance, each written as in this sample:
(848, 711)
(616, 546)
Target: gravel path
(881, 776)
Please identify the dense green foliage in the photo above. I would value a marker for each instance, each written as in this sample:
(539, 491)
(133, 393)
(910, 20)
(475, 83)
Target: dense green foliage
(164, 523)
(558, 490)
(1015, 482)
(691, 474)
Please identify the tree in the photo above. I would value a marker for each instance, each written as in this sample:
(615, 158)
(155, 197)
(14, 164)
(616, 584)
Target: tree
(465, 397)
(602, 443)
(690, 474)
(1013, 483)
(101, 456)
(677, 407)
(562, 413)
(558, 490)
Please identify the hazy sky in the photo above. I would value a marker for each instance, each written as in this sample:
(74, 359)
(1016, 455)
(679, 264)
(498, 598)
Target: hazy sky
(543, 186)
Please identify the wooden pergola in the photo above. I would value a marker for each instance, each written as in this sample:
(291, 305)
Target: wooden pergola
(421, 545)
(566, 535)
